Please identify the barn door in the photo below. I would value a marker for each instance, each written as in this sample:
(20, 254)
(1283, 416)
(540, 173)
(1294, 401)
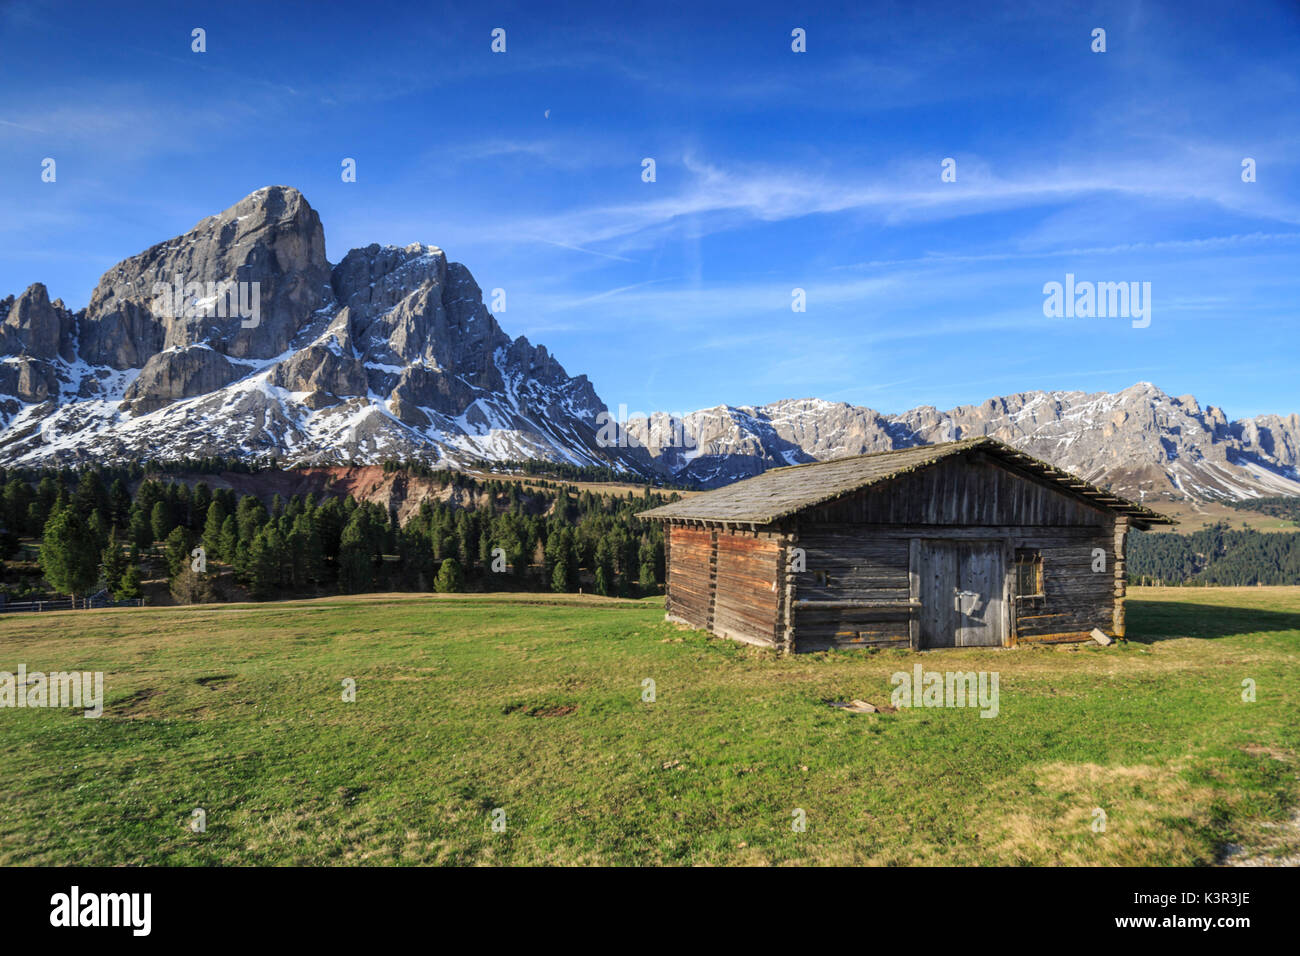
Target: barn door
(961, 593)
(938, 584)
(981, 576)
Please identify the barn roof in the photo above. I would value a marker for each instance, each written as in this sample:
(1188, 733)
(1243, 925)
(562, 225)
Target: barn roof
(783, 491)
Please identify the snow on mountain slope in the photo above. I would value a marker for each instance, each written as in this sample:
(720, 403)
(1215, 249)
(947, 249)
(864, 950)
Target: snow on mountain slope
(1140, 441)
(391, 353)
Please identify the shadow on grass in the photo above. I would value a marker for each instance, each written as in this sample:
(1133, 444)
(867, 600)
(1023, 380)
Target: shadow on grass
(1151, 621)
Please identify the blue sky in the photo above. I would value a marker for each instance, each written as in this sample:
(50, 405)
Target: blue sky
(775, 170)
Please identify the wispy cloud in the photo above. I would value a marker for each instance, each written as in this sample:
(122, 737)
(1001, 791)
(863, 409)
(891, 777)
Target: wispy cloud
(22, 126)
(717, 198)
(573, 248)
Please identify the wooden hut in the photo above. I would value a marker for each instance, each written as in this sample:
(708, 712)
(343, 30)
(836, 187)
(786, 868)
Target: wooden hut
(968, 543)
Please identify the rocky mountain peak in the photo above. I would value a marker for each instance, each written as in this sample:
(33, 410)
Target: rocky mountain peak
(35, 326)
(240, 337)
(164, 298)
(1139, 441)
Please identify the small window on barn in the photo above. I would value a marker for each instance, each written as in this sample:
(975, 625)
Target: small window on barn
(1029, 573)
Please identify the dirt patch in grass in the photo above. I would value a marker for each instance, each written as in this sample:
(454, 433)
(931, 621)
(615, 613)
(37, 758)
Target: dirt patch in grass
(1276, 844)
(553, 710)
(1273, 753)
(214, 681)
(135, 705)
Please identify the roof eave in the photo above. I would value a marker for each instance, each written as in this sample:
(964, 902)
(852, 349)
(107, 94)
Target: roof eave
(1067, 482)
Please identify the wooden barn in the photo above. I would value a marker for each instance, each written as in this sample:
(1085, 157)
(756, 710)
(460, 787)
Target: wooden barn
(969, 543)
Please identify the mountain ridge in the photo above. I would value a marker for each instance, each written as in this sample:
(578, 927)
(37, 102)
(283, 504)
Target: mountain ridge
(1139, 441)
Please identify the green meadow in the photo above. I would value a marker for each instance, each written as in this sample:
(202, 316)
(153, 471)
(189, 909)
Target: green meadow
(532, 705)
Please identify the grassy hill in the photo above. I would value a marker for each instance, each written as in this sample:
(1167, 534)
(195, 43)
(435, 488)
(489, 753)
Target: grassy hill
(1193, 515)
(533, 704)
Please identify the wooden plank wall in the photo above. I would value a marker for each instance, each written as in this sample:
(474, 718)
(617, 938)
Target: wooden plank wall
(959, 492)
(747, 598)
(689, 552)
(862, 543)
(1118, 553)
(727, 582)
(1077, 598)
(872, 563)
(847, 565)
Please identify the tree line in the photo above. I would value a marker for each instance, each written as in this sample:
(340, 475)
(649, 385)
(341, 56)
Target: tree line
(569, 472)
(104, 528)
(1217, 555)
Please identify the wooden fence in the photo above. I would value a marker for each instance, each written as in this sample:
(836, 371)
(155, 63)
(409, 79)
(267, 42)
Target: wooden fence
(91, 603)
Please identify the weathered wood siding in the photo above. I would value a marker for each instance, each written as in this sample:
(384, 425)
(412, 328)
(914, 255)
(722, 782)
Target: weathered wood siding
(850, 565)
(1076, 598)
(960, 492)
(690, 554)
(746, 597)
(858, 551)
(726, 582)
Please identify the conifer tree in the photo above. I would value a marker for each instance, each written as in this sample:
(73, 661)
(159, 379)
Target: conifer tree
(264, 563)
(182, 502)
(98, 526)
(249, 517)
(240, 561)
(356, 555)
(128, 588)
(604, 561)
(646, 581)
(177, 550)
(112, 562)
(18, 497)
(91, 496)
(202, 500)
(139, 529)
(160, 521)
(229, 539)
(450, 578)
(68, 556)
(216, 517)
(119, 504)
(560, 574)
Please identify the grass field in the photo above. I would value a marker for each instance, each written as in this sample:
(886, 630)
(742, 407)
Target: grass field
(616, 489)
(534, 705)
